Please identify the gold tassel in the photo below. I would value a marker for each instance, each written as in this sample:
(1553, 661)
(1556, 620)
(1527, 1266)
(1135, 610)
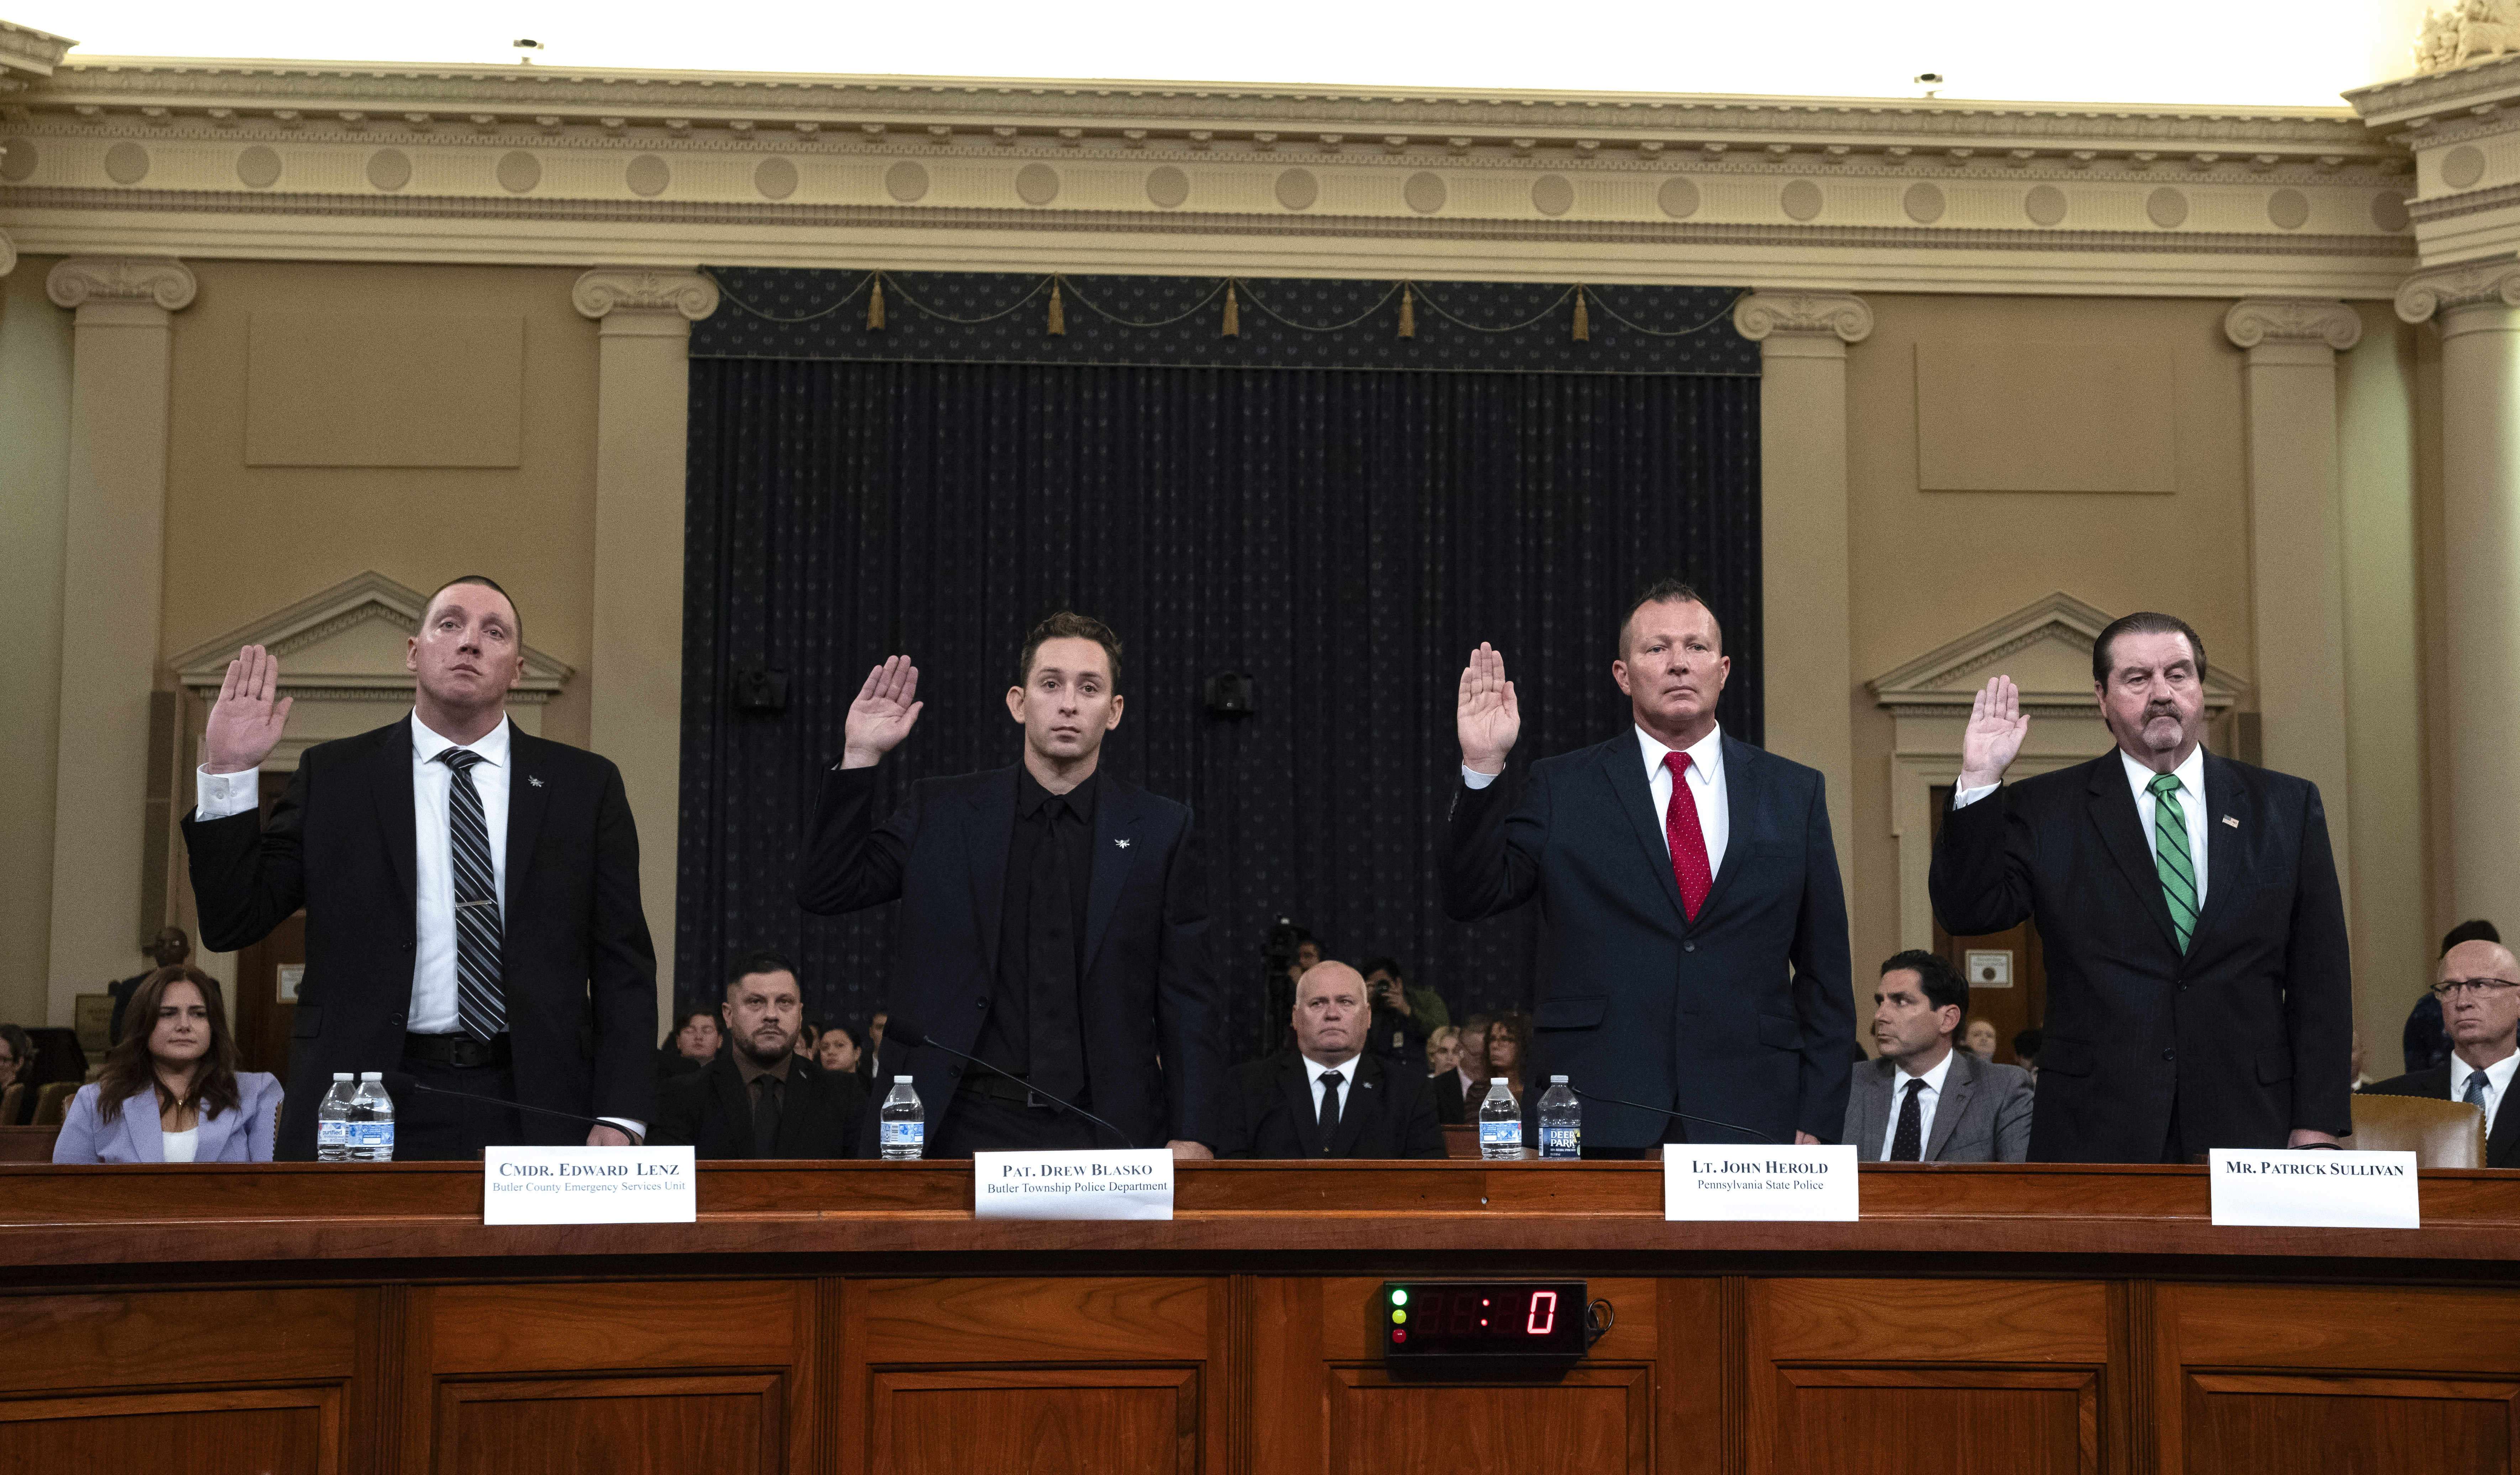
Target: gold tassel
(1058, 311)
(874, 306)
(1232, 313)
(1582, 319)
(1408, 313)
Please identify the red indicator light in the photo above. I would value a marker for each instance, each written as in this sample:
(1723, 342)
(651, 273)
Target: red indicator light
(1399, 1335)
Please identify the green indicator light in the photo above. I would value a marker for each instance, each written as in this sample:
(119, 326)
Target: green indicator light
(1398, 1317)
(1399, 1297)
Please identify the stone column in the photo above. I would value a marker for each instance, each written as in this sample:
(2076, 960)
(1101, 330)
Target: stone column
(112, 560)
(1807, 668)
(643, 402)
(2297, 542)
(2478, 308)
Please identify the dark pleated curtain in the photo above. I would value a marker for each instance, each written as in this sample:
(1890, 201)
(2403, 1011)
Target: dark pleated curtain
(1344, 536)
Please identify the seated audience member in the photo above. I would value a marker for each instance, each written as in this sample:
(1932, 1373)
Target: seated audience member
(1443, 1050)
(172, 948)
(868, 1061)
(1394, 992)
(760, 1098)
(836, 1052)
(692, 1045)
(170, 1092)
(1508, 1050)
(2479, 990)
(809, 1036)
(1458, 1092)
(16, 1068)
(1923, 1100)
(1398, 1038)
(2025, 1052)
(1980, 1039)
(1328, 1097)
(2427, 1039)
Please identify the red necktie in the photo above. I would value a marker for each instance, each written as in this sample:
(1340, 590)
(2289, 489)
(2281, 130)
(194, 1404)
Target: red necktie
(1688, 842)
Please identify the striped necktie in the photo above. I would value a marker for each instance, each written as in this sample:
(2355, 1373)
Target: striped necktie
(480, 996)
(2170, 856)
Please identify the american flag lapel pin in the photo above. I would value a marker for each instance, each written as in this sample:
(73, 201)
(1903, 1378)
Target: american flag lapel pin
(2231, 819)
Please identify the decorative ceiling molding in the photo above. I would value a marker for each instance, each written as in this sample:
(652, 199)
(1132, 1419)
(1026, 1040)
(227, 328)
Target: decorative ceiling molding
(327, 650)
(29, 55)
(2046, 645)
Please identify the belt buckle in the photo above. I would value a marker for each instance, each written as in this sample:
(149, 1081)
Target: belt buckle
(1034, 1099)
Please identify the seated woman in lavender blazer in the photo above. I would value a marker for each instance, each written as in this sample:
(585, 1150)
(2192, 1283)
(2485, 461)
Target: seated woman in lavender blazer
(170, 1092)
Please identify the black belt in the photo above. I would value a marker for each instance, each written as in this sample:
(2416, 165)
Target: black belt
(995, 1087)
(461, 1051)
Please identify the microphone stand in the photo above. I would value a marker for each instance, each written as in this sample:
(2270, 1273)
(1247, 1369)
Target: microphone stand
(916, 1038)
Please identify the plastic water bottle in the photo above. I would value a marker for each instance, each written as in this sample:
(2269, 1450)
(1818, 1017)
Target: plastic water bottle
(372, 1122)
(905, 1122)
(1562, 1122)
(333, 1120)
(1500, 1123)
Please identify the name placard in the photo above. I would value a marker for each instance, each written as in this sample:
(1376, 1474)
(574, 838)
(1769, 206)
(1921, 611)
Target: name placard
(588, 1186)
(2314, 1188)
(1133, 1183)
(1718, 1181)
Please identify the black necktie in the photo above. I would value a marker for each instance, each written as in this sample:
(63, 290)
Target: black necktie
(1058, 1051)
(1909, 1146)
(765, 1116)
(480, 998)
(1330, 1107)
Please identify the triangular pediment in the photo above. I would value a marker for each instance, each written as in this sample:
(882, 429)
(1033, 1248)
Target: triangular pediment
(349, 638)
(2044, 646)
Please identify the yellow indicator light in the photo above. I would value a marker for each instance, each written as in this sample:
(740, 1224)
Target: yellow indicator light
(1398, 1316)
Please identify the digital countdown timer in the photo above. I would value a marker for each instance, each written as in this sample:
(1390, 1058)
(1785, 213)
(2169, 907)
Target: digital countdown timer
(1482, 1318)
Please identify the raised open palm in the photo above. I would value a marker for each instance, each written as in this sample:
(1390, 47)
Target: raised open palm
(1997, 725)
(245, 723)
(885, 712)
(1488, 717)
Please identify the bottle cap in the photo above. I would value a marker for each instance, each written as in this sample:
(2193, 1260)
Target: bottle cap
(1496, 1080)
(343, 1075)
(901, 1080)
(372, 1075)
(1557, 1080)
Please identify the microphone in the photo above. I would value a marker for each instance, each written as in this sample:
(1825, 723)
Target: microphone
(896, 1028)
(1668, 1111)
(398, 1082)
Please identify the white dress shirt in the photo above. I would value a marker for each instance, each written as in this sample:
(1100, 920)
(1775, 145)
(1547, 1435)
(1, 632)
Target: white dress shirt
(2497, 1083)
(1705, 787)
(1926, 1100)
(2192, 800)
(1313, 1071)
(432, 783)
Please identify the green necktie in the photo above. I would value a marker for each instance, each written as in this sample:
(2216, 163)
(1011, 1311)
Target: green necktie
(2171, 857)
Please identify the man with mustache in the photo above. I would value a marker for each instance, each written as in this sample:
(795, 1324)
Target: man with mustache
(2198, 989)
(1697, 960)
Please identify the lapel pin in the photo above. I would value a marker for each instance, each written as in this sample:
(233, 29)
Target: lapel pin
(1123, 844)
(537, 782)
(2232, 821)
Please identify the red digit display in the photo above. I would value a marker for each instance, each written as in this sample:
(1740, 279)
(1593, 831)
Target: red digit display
(1543, 1314)
(1486, 1319)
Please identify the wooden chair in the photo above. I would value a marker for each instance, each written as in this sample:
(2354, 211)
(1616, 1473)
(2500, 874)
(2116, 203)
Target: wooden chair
(13, 1106)
(53, 1102)
(2440, 1134)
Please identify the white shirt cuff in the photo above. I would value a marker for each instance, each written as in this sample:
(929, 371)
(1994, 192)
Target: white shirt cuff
(1965, 797)
(215, 796)
(1476, 780)
(637, 1129)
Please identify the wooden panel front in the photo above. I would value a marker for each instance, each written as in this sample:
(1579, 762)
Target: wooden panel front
(2403, 1426)
(1037, 1422)
(620, 1426)
(1598, 1420)
(250, 1431)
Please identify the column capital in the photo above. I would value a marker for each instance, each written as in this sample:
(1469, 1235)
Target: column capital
(1762, 313)
(2273, 322)
(599, 291)
(160, 281)
(2470, 283)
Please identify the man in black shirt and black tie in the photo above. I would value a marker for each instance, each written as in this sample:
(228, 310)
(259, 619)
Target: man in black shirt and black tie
(1329, 1096)
(1053, 918)
(761, 1099)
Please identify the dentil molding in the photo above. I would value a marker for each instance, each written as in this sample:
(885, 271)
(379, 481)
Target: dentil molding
(2255, 321)
(1761, 314)
(610, 288)
(2427, 294)
(161, 280)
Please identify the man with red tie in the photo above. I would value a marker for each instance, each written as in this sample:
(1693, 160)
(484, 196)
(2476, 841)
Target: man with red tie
(1697, 958)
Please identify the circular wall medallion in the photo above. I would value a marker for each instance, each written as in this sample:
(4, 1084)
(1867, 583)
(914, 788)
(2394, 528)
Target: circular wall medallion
(2166, 208)
(388, 168)
(1924, 201)
(1678, 198)
(2045, 206)
(1298, 189)
(18, 161)
(1551, 195)
(1037, 184)
(1167, 187)
(2289, 209)
(647, 175)
(126, 163)
(1801, 199)
(2389, 211)
(2462, 166)
(258, 167)
(1425, 192)
(906, 181)
(775, 178)
(518, 172)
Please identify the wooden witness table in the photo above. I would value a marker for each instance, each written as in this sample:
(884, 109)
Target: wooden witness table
(854, 1318)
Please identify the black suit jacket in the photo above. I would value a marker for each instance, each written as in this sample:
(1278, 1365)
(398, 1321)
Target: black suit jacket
(1152, 1014)
(2501, 1144)
(2248, 1031)
(1743, 1015)
(1451, 1108)
(579, 971)
(711, 1111)
(1383, 1112)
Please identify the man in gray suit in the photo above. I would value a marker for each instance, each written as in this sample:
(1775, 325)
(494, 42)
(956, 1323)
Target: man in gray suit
(1923, 1100)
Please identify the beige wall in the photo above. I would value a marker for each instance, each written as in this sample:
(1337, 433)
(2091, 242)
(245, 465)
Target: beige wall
(35, 491)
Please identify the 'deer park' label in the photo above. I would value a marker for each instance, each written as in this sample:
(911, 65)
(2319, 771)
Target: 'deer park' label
(1122, 1184)
(1721, 1181)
